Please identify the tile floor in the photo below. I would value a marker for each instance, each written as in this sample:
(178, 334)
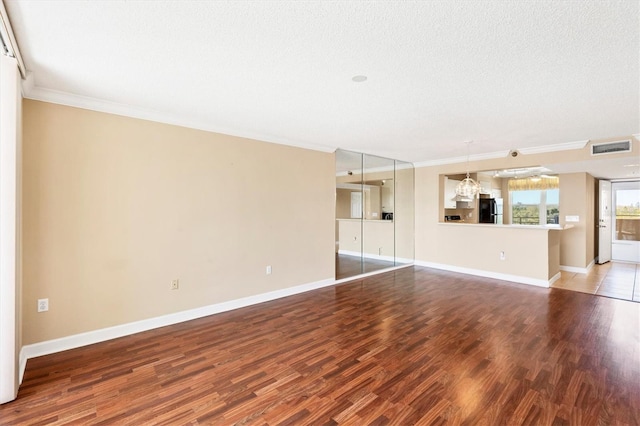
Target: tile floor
(613, 279)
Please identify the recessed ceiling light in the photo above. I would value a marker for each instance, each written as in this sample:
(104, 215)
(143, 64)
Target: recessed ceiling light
(359, 78)
(631, 165)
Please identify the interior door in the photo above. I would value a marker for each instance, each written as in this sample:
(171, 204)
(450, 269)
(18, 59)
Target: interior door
(604, 222)
(356, 205)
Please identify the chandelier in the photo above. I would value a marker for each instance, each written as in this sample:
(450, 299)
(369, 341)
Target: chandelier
(467, 188)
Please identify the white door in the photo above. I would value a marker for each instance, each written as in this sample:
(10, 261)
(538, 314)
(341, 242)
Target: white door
(604, 222)
(356, 205)
(625, 221)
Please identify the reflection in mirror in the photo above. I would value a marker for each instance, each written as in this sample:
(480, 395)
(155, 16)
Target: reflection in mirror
(374, 213)
(348, 226)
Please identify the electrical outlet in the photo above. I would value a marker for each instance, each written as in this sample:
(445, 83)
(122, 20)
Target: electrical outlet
(175, 285)
(268, 269)
(43, 305)
(502, 256)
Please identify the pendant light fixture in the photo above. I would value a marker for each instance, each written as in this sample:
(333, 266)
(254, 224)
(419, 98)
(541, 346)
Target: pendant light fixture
(468, 188)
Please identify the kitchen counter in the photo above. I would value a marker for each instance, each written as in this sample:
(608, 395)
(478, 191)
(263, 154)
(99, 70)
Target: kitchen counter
(528, 254)
(494, 225)
(365, 220)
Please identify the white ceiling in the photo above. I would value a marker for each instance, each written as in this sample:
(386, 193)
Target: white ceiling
(507, 75)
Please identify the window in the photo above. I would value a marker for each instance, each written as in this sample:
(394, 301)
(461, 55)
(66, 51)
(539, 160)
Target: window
(535, 200)
(535, 207)
(627, 214)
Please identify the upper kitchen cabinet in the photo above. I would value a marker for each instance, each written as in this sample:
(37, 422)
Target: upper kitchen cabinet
(449, 193)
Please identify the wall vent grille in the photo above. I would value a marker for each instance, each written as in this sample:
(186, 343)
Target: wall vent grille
(611, 147)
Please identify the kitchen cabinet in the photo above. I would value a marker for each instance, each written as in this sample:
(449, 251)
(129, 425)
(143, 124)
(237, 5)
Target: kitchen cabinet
(449, 193)
(485, 187)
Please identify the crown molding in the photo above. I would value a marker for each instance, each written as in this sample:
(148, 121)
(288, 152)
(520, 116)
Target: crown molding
(405, 165)
(566, 146)
(31, 91)
(500, 154)
(462, 159)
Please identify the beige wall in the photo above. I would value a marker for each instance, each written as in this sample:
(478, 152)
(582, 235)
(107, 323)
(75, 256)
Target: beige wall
(371, 237)
(115, 208)
(404, 214)
(343, 203)
(577, 198)
(577, 246)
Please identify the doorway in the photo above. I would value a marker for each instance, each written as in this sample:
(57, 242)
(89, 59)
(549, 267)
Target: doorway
(625, 221)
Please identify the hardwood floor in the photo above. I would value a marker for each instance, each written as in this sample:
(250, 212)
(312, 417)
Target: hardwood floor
(412, 346)
(350, 266)
(612, 279)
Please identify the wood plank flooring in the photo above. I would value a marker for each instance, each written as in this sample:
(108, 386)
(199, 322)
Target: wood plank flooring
(412, 346)
(350, 266)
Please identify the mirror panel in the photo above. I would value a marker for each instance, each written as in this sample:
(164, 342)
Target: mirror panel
(374, 213)
(349, 208)
(378, 229)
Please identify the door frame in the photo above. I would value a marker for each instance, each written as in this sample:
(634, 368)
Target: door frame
(10, 206)
(622, 250)
(604, 222)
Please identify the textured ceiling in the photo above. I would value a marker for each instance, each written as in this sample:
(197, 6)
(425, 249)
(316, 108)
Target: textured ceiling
(507, 75)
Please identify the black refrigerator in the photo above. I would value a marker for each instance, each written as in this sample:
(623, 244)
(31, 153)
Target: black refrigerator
(488, 210)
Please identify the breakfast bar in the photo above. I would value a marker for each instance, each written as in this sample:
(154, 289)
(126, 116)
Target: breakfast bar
(527, 254)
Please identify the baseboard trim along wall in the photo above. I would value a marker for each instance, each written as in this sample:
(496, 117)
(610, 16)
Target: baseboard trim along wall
(96, 336)
(488, 274)
(376, 257)
(578, 270)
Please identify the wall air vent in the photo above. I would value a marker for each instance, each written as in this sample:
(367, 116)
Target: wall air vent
(611, 147)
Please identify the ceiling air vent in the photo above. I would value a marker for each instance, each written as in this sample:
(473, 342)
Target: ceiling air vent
(611, 147)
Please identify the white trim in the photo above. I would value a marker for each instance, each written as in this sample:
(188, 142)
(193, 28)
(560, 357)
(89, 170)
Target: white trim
(22, 364)
(97, 336)
(63, 98)
(375, 256)
(27, 84)
(488, 274)
(455, 160)
(566, 146)
(368, 274)
(9, 40)
(9, 227)
(578, 269)
(404, 165)
(101, 335)
(500, 154)
(555, 278)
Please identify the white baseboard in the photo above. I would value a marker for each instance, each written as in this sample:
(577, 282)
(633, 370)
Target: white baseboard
(96, 336)
(553, 279)
(22, 364)
(368, 274)
(375, 256)
(577, 269)
(488, 274)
